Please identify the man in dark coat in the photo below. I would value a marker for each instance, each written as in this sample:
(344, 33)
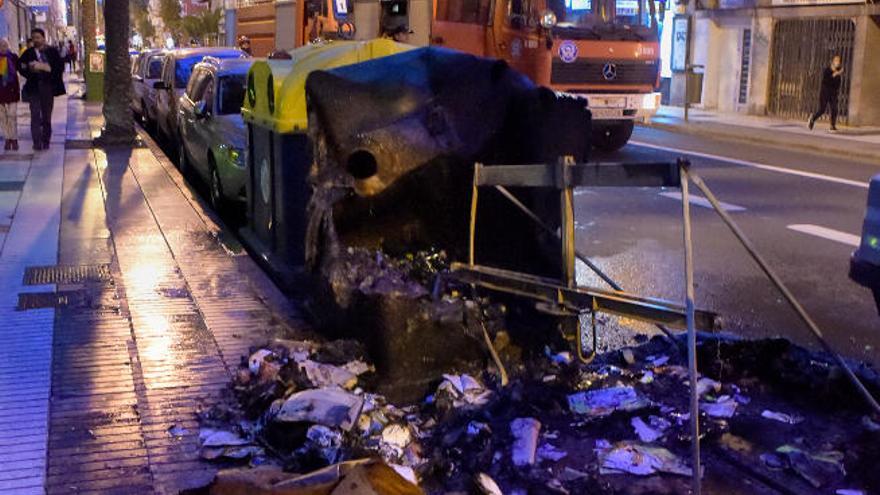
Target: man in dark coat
(831, 77)
(43, 67)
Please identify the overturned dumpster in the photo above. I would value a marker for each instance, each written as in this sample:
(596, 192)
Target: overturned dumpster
(380, 172)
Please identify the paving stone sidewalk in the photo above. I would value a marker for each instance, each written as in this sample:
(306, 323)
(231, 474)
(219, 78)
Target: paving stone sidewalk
(125, 306)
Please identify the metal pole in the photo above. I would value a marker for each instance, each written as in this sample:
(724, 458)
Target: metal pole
(691, 331)
(567, 206)
(687, 66)
(473, 225)
(802, 313)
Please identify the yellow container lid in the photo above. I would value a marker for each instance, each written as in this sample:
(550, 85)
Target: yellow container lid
(275, 96)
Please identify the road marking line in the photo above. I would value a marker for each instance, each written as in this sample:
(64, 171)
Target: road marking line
(771, 168)
(826, 233)
(701, 201)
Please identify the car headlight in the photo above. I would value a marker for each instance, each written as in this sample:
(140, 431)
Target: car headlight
(548, 19)
(236, 156)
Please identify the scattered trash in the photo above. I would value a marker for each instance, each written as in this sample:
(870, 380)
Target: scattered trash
(561, 358)
(774, 461)
(547, 452)
(210, 437)
(255, 362)
(647, 377)
(458, 391)
(327, 442)
(569, 474)
(487, 485)
(476, 428)
(397, 437)
(820, 469)
(706, 385)
(525, 440)
(628, 356)
(846, 491)
(650, 433)
(177, 431)
(657, 360)
(642, 460)
(406, 472)
(370, 477)
(602, 402)
(791, 419)
(870, 424)
(326, 375)
(723, 407)
(220, 443)
(735, 443)
(328, 407)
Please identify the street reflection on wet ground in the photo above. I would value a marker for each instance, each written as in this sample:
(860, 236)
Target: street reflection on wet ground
(146, 348)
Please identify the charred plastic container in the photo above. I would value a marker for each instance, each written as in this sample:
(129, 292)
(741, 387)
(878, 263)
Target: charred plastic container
(395, 140)
(280, 152)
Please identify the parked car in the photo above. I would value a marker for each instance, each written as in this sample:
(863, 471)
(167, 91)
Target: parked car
(864, 266)
(146, 71)
(176, 70)
(212, 133)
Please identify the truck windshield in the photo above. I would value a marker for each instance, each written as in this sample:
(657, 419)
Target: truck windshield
(606, 19)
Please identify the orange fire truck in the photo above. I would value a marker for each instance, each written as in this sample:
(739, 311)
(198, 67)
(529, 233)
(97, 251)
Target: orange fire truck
(604, 51)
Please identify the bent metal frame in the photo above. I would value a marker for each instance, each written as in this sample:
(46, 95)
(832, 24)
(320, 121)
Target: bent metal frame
(565, 298)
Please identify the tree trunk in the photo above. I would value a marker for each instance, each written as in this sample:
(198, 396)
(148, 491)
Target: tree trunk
(88, 28)
(118, 120)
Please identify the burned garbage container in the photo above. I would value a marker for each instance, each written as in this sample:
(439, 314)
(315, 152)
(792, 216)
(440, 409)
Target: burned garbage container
(395, 142)
(280, 153)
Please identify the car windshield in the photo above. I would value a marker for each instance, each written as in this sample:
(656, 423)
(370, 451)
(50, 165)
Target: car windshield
(185, 66)
(601, 18)
(231, 97)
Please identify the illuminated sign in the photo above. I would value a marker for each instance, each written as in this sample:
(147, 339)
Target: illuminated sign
(679, 43)
(627, 7)
(579, 4)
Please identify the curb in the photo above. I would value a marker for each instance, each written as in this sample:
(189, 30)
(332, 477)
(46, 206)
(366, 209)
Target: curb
(849, 149)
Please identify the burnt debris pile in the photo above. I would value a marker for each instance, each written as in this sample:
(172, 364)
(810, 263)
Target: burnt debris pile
(617, 425)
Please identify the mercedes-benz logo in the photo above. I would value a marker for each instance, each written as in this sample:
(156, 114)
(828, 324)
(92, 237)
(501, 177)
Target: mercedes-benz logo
(609, 71)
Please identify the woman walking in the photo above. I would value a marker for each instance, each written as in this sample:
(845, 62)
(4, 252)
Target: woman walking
(9, 95)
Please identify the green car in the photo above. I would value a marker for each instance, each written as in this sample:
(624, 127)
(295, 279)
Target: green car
(213, 137)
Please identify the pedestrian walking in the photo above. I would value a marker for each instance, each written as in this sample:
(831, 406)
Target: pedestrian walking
(44, 69)
(9, 95)
(831, 78)
(244, 44)
(71, 55)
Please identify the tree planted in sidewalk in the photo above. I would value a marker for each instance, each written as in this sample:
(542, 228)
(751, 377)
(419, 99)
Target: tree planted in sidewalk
(169, 12)
(118, 121)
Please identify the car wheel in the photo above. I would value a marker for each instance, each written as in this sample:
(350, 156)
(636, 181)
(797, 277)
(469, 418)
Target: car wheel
(182, 160)
(216, 188)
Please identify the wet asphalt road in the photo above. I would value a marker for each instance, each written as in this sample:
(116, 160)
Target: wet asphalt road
(635, 235)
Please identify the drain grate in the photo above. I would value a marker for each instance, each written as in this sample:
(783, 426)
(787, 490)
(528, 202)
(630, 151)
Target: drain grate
(11, 185)
(39, 300)
(16, 157)
(66, 274)
(78, 144)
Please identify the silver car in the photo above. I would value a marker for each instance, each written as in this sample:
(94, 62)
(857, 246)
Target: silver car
(146, 71)
(176, 70)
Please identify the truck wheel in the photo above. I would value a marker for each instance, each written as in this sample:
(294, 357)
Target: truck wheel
(611, 135)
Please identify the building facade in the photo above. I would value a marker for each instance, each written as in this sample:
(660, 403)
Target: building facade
(765, 57)
(16, 20)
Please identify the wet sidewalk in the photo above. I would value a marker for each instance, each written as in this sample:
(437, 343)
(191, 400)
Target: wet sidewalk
(854, 142)
(126, 306)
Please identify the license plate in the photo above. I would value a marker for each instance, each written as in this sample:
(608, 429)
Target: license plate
(606, 113)
(608, 102)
